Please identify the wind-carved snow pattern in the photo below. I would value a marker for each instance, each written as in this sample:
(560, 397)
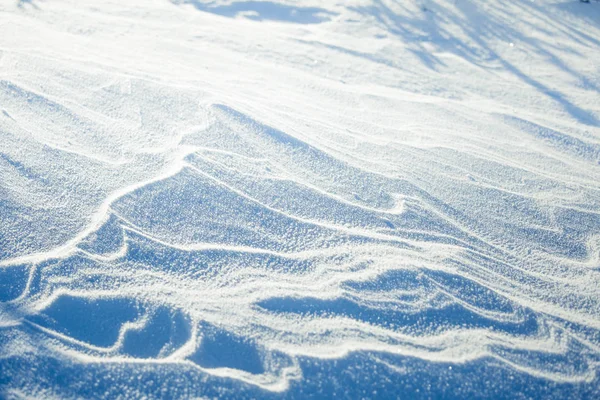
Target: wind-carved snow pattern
(372, 199)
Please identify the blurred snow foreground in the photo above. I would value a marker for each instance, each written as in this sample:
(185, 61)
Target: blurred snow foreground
(260, 199)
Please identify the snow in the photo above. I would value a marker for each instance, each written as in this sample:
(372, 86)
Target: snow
(242, 199)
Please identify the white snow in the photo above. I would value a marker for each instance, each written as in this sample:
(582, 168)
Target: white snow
(285, 171)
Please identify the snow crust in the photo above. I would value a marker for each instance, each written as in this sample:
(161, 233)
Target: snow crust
(367, 198)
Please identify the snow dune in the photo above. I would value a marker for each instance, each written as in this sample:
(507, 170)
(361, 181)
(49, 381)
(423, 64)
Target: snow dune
(242, 199)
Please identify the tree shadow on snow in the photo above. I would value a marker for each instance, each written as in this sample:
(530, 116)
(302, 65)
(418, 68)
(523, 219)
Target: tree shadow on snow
(437, 24)
(590, 12)
(24, 3)
(263, 10)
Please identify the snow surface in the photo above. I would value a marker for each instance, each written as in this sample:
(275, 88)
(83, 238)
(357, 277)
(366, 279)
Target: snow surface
(260, 199)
